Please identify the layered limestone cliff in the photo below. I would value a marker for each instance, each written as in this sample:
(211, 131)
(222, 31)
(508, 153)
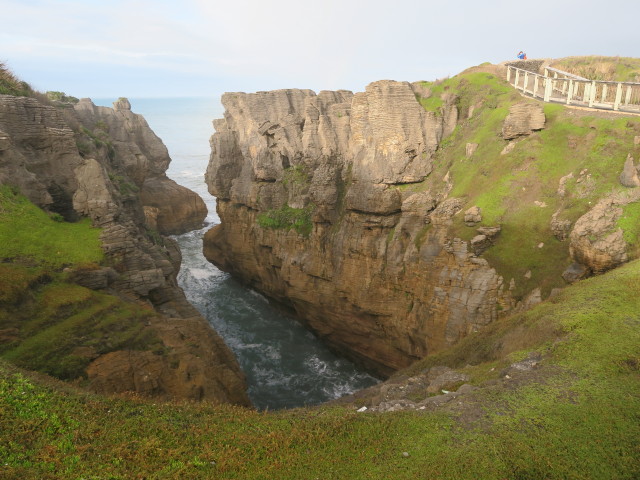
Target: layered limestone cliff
(107, 164)
(358, 211)
(358, 279)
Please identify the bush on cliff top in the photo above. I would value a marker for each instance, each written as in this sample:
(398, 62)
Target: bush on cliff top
(10, 85)
(618, 69)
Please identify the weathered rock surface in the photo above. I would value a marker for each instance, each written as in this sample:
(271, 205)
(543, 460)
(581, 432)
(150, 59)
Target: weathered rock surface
(94, 161)
(176, 208)
(629, 176)
(595, 240)
(144, 159)
(196, 367)
(378, 277)
(524, 118)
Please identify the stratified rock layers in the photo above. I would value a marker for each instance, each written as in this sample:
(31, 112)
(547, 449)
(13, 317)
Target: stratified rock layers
(378, 277)
(105, 164)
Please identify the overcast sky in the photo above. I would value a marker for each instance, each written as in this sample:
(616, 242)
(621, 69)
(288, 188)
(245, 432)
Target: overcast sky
(167, 48)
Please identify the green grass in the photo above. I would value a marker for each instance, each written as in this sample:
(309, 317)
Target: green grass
(59, 328)
(27, 232)
(594, 67)
(578, 420)
(287, 218)
(629, 222)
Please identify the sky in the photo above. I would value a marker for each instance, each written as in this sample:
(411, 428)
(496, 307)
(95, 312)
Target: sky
(185, 48)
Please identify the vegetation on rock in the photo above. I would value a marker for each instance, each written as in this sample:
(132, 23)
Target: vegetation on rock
(586, 147)
(49, 324)
(288, 218)
(10, 85)
(30, 234)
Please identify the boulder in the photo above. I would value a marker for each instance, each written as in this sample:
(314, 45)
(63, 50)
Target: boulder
(596, 241)
(176, 209)
(479, 244)
(629, 176)
(472, 216)
(471, 149)
(523, 119)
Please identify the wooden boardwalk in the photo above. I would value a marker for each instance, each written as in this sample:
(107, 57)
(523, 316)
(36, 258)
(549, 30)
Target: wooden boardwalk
(562, 87)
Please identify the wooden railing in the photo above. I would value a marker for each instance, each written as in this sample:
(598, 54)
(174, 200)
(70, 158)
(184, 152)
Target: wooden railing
(563, 87)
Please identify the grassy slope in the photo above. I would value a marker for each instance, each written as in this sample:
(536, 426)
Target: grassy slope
(46, 323)
(505, 187)
(578, 420)
(621, 69)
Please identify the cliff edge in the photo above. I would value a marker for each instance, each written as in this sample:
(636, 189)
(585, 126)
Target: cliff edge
(398, 220)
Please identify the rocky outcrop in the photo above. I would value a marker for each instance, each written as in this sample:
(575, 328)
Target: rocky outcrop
(99, 162)
(170, 208)
(524, 118)
(596, 241)
(378, 276)
(629, 176)
(196, 367)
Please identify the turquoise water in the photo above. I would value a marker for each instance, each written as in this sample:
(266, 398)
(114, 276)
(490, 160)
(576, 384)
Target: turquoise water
(286, 366)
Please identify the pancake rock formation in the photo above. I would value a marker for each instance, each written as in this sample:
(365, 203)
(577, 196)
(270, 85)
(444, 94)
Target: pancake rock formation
(107, 164)
(312, 214)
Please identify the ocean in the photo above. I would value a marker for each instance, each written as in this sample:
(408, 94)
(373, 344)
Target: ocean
(285, 364)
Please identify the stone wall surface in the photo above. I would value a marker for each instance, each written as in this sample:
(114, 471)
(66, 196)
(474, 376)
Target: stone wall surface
(108, 165)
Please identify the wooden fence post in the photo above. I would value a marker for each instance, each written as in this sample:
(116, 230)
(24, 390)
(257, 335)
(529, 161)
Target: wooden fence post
(592, 93)
(616, 103)
(569, 92)
(547, 89)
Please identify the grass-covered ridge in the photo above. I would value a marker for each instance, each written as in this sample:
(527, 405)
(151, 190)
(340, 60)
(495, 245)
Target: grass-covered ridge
(29, 233)
(577, 420)
(48, 324)
(619, 69)
(518, 190)
(11, 85)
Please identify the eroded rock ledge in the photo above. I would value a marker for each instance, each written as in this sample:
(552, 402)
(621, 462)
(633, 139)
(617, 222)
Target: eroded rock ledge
(108, 165)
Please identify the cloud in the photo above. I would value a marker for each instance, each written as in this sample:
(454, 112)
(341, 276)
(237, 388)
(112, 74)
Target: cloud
(256, 45)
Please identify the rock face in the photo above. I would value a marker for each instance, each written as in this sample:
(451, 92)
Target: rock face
(595, 240)
(144, 159)
(100, 162)
(378, 276)
(523, 119)
(173, 209)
